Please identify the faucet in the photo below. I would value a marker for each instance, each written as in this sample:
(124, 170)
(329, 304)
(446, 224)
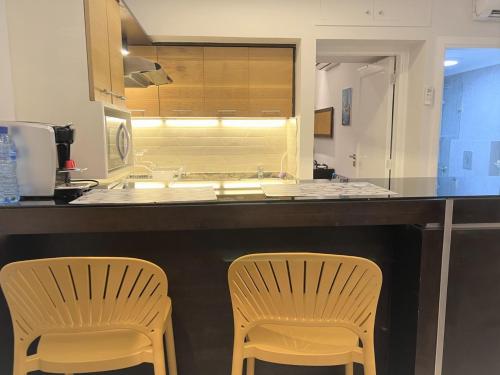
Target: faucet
(260, 172)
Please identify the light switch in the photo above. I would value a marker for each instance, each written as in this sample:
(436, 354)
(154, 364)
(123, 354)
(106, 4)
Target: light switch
(429, 95)
(467, 160)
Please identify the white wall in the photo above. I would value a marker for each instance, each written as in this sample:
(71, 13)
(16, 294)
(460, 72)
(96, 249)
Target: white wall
(270, 20)
(329, 86)
(6, 94)
(48, 51)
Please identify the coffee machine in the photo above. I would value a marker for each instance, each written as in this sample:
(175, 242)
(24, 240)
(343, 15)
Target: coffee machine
(44, 163)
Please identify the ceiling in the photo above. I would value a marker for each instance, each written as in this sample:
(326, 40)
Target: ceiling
(471, 59)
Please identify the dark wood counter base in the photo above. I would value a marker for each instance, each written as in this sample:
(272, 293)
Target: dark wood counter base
(196, 263)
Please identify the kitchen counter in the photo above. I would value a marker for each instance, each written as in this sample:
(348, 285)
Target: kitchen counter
(196, 241)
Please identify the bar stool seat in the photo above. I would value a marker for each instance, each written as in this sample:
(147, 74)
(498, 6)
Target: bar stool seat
(98, 350)
(303, 346)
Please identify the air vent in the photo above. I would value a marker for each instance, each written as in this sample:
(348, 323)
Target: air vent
(487, 10)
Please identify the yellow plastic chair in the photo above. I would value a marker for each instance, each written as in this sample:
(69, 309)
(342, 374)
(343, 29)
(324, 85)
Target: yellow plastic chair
(304, 309)
(91, 314)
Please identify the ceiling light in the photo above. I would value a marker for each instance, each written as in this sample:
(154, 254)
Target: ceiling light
(449, 63)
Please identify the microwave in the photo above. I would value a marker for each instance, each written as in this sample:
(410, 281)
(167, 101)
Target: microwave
(118, 141)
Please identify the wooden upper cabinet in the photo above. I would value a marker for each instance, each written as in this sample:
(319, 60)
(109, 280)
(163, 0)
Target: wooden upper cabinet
(217, 82)
(143, 102)
(98, 50)
(226, 74)
(105, 62)
(115, 54)
(184, 97)
(270, 82)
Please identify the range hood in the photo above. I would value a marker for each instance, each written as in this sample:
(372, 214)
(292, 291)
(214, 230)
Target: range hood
(140, 72)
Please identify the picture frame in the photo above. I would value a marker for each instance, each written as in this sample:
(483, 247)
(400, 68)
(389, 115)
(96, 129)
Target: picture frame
(346, 106)
(323, 122)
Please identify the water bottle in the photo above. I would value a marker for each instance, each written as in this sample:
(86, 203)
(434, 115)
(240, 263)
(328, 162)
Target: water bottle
(9, 189)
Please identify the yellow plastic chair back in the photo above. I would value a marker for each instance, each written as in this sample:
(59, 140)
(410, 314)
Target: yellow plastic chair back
(72, 295)
(305, 289)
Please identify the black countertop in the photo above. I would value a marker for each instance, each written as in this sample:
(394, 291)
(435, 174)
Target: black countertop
(405, 188)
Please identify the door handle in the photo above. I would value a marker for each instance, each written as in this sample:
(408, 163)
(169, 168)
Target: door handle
(120, 137)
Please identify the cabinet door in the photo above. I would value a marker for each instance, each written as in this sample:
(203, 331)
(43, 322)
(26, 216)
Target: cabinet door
(226, 77)
(98, 50)
(115, 55)
(403, 12)
(270, 82)
(143, 102)
(184, 97)
(346, 12)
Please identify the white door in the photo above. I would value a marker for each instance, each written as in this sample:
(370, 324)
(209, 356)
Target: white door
(376, 97)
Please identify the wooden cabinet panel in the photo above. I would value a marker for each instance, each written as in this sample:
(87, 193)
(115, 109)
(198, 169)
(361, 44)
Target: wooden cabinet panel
(115, 55)
(271, 82)
(143, 102)
(184, 97)
(226, 74)
(148, 52)
(98, 50)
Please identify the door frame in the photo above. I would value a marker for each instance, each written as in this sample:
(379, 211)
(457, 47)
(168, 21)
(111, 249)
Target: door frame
(442, 44)
(402, 56)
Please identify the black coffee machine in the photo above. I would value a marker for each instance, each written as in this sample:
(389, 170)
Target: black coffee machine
(66, 188)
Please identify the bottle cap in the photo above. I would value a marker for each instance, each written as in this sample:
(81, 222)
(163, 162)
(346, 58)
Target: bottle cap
(4, 130)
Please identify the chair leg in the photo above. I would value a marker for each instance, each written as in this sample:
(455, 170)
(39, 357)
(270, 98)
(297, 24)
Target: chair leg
(169, 342)
(159, 357)
(250, 366)
(349, 369)
(19, 360)
(237, 367)
(369, 359)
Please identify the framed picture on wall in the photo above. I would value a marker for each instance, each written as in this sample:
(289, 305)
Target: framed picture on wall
(323, 122)
(346, 106)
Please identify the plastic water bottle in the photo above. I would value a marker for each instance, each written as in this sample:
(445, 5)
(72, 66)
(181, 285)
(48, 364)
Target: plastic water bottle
(9, 189)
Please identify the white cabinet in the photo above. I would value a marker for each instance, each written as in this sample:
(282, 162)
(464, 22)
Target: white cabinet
(346, 12)
(376, 12)
(402, 12)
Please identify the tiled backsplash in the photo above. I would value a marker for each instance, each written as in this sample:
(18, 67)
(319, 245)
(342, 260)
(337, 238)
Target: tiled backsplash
(215, 146)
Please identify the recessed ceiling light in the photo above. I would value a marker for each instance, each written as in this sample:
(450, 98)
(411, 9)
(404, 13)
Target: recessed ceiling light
(449, 63)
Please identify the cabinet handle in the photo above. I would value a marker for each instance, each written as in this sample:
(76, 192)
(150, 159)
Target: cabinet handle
(104, 91)
(269, 111)
(368, 12)
(118, 96)
(227, 110)
(381, 12)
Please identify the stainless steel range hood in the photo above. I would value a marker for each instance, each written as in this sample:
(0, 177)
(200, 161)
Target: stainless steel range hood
(140, 72)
